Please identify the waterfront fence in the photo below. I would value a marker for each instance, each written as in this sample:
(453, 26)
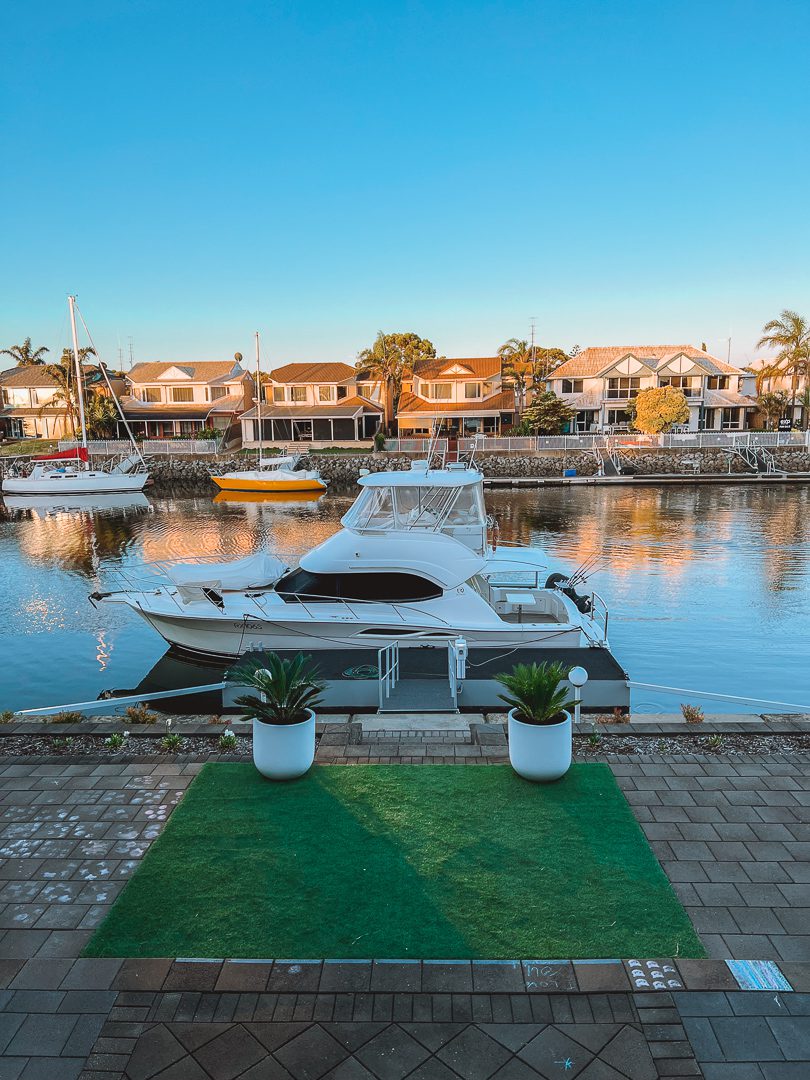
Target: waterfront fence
(591, 441)
(149, 447)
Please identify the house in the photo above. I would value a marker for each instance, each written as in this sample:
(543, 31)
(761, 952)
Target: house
(321, 402)
(467, 394)
(796, 388)
(32, 406)
(600, 384)
(167, 399)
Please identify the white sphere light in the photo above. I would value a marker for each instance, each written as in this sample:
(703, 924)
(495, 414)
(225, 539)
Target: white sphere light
(578, 676)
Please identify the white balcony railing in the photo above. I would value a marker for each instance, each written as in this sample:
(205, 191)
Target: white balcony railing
(149, 447)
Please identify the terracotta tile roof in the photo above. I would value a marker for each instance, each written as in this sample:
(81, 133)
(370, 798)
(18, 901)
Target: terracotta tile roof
(314, 373)
(204, 371)
(591, 361)
(479, 367)
(498, 403)
(351, 406)
(32, 375)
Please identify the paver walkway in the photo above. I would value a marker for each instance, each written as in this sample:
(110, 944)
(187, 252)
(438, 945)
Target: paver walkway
(732, 835)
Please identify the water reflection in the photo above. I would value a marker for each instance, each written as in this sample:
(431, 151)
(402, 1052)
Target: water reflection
(708, 587)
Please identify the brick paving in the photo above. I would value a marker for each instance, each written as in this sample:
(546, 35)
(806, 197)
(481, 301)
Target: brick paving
(732, 834)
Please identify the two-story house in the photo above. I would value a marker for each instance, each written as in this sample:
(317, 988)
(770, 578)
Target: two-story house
(467, 394)
(32, 407)
(794, 386)
(320, 402)
(601, 383)
(166, 399)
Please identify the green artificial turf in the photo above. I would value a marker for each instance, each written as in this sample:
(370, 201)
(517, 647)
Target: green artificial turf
(430, 861)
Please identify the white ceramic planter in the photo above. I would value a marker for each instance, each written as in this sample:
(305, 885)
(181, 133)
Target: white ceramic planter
(540, 751)
(284, 751)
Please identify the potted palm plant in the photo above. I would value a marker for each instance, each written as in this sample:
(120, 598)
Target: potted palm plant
(285, 693)
(539, 721)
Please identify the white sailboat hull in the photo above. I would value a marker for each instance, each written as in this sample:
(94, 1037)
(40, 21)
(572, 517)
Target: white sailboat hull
(57, 483)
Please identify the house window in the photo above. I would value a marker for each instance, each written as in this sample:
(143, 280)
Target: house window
(440, 391)
(687, 384)
(326, 393)
(732, 419)
(182, 393)
(717, 382)
(298, 393)
(572, 386)
(278, 393)
(43, 396)
(218, 392)
(618, 417)
(342, 392)
(472, 390)
(623, 387)
(151, 393)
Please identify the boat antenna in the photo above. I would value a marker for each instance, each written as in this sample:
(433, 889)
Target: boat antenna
(77, 363)
(259, 397)
(113, 394)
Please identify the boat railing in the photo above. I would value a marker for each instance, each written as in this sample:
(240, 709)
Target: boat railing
(388, 669)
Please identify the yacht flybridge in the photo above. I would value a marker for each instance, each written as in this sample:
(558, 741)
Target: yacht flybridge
(415, 563)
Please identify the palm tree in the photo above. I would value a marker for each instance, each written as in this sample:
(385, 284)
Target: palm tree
(516, 360)
(24, 354)
(790, 336)
(772, 406)
(64, 394)
(391, 359)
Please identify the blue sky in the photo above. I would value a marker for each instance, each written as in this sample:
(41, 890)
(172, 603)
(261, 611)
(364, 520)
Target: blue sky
(624, 172)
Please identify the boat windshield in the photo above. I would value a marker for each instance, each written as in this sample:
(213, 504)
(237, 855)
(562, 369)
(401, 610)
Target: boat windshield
(458, 511)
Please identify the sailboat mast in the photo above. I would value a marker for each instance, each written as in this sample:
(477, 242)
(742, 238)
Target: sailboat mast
(259, 396)
(77, 363)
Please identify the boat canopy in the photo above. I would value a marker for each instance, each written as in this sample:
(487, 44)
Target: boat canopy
(255, 572)
(436, 500)
(440, 559)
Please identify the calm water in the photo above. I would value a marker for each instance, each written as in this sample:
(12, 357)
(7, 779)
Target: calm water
(708, 588)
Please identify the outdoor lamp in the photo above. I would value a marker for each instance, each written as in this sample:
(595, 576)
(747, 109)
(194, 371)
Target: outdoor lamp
(577, 676)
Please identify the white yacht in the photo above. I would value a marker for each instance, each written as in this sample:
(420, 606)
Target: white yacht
(415, 563)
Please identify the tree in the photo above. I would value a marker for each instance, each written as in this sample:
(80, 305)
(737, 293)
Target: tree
(391, 359)
(101, 415)
(547, 414)
(772, 406)
(527, 367)
(64, 376)
(659, 407)
(790, 336)
(25, 354)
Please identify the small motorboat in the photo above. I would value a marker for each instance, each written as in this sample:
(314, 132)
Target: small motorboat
(273, 475)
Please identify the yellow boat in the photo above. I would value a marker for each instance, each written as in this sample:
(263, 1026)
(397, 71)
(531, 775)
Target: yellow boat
(269, 498)
(277, 475)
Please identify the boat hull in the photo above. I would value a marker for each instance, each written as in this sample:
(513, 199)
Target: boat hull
(80, 483)
(229, 638)
(232, 483)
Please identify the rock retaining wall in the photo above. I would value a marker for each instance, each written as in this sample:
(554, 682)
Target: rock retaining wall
(194, 475)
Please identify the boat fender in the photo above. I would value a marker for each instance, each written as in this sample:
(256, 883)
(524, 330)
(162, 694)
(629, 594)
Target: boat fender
(94, 596)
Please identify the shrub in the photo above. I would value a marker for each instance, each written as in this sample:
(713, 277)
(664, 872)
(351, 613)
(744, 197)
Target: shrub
(170, 743)
(66, 717)
(536, 693)
(379, 440)
(116, 740)
(140, 714)
(227, 740)
(715, 742)
(692, 714)
(285, 689)
(6, 716)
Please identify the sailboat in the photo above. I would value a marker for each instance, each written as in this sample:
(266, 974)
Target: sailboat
(271, 474)
(69, 472)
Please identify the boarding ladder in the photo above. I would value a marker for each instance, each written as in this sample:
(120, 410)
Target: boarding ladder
(403, 688)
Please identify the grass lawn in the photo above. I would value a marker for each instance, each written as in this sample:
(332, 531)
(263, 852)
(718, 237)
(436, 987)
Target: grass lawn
(28, 446)
(430, 861)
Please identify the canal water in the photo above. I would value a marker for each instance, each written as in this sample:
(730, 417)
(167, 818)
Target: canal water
(708, 586)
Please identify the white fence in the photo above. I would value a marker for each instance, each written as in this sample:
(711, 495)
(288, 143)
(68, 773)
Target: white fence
(149, 447)
(616, 440)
